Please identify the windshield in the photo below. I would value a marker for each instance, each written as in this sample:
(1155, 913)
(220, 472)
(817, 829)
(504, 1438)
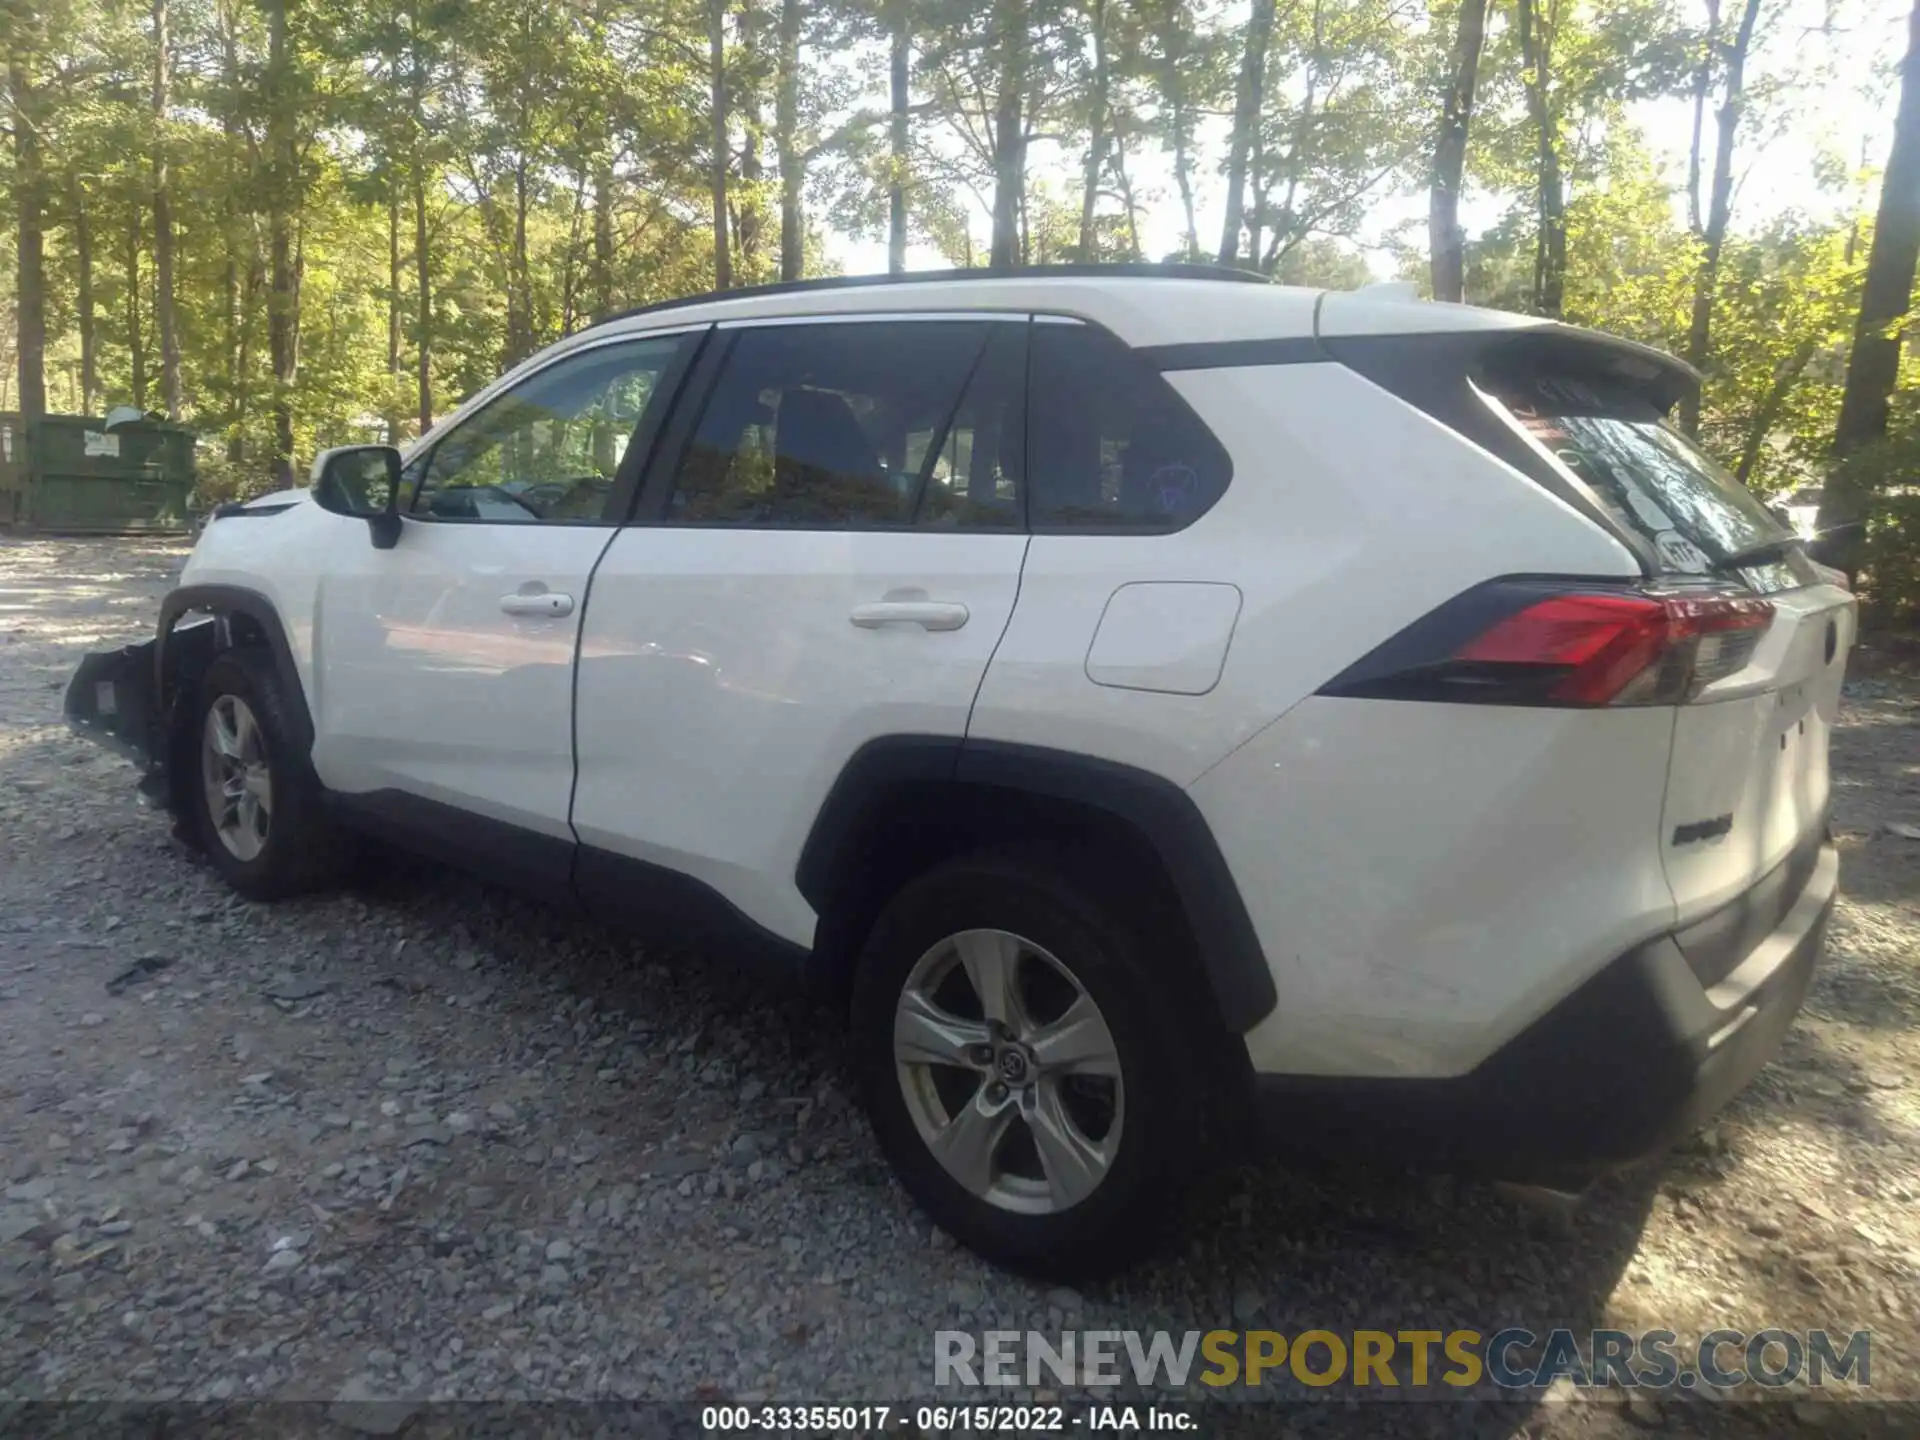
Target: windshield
(1649, 477)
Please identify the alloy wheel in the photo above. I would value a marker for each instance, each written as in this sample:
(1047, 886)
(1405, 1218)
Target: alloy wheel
(1009, 1071)
(236, 777)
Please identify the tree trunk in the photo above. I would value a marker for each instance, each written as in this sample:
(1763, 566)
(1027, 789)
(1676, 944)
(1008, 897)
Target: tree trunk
(422, 255)
(230, 295)
(602, 240)
(1874, 364)
(1702, 87)
(393, 310)
(83, 301)
(519, 274)
(1173, 36)
(786, 124)
(1096, 132)
(238, 312)
(1009, 133)
(1246, 119)
(1446, 241)
(1125, 182)
(1719, 209)
(163, 317)
(1026, 230)
(1550, 245)
(30, 295)
(243, 400)
(717, 74)
(900, 46)
(750, 75)
(283, 294)
(136, 342)
(571, 266)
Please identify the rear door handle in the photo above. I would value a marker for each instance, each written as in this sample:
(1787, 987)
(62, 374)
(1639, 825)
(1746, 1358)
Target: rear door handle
(927, 614)
(547, 604)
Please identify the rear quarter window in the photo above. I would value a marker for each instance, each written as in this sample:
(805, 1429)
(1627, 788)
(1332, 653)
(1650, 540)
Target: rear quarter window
(1110, 444)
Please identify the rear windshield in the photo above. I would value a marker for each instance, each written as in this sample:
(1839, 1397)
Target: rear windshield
(1648, 476)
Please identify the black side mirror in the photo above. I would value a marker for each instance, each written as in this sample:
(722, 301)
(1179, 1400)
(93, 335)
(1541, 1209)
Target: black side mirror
(362, 481)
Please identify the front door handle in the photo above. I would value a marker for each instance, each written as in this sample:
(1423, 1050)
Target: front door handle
(544, 604)
(927, 614)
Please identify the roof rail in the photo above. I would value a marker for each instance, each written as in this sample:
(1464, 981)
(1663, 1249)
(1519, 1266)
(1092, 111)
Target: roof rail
(1169, 271)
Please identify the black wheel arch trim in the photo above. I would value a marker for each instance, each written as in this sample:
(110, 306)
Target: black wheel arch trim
(1161, 812)
(229, 600)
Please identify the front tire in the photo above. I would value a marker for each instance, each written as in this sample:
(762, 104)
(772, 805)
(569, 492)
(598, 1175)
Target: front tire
(1020, 1065)
(256, 800)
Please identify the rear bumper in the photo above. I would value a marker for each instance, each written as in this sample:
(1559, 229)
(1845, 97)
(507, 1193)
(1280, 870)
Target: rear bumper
(1632, 1061)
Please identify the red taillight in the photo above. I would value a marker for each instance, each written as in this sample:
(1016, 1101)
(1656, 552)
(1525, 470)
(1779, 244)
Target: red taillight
(1623, 648)
(1533, 640)
(1605, 640)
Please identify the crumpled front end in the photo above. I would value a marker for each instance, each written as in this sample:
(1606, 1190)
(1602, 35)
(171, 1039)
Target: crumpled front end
(111, 700)
(116, 699)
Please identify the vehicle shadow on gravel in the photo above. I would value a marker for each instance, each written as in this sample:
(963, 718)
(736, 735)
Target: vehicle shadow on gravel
(1258, 1247)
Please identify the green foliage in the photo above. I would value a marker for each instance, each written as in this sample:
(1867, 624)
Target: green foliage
(515, 169)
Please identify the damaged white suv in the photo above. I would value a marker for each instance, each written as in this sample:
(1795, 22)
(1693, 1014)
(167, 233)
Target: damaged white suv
(1163, 710)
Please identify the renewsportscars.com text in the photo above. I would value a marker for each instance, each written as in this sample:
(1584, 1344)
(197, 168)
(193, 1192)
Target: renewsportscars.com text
(1512, 1358)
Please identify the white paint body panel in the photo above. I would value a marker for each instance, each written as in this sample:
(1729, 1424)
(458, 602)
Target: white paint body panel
(723, 687)
(1336, 534)
(1753, 749)
(1165, 636)
(430, 689)
(281, 557)
(1428, 879)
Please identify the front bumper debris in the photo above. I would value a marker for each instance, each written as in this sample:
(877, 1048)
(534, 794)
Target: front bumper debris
(113, 701)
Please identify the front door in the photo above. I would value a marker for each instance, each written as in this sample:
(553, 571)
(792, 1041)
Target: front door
(445, 697)
(831, 558)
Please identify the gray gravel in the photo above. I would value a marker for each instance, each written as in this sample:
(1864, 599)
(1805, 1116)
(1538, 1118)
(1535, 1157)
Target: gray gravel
(423, 1140)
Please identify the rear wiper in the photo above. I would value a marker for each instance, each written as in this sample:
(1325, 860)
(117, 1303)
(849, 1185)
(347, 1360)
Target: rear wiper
(1754, 554)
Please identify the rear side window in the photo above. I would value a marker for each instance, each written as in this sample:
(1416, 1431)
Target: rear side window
(1644, 474)
(1111, 445)
(858, 426)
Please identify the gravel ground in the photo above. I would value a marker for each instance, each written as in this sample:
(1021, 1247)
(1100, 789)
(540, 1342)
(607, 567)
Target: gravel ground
(424, 1140)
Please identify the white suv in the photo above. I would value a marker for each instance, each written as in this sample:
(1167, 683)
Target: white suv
(1152, 704)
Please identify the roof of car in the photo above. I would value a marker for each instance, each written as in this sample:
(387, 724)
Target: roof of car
(1143, 304)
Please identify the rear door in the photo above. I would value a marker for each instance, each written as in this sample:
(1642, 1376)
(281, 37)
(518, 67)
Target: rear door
(827, 553)
(1747, 785)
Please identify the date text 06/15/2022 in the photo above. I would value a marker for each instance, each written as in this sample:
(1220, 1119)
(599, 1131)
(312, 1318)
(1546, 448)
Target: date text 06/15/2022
(945, 1419)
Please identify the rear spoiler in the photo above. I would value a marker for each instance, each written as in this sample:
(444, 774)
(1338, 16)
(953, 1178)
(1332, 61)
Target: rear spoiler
(1400, 360)
(1653, 374)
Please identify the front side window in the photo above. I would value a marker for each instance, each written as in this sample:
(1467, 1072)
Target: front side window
(1110, 444)
(549, 448)
(858, 425)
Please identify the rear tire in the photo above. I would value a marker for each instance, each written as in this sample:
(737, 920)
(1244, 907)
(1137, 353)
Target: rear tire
(257, 804)
(1056, 1140)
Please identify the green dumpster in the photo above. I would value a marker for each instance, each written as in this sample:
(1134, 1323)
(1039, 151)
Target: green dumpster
(78, 474)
